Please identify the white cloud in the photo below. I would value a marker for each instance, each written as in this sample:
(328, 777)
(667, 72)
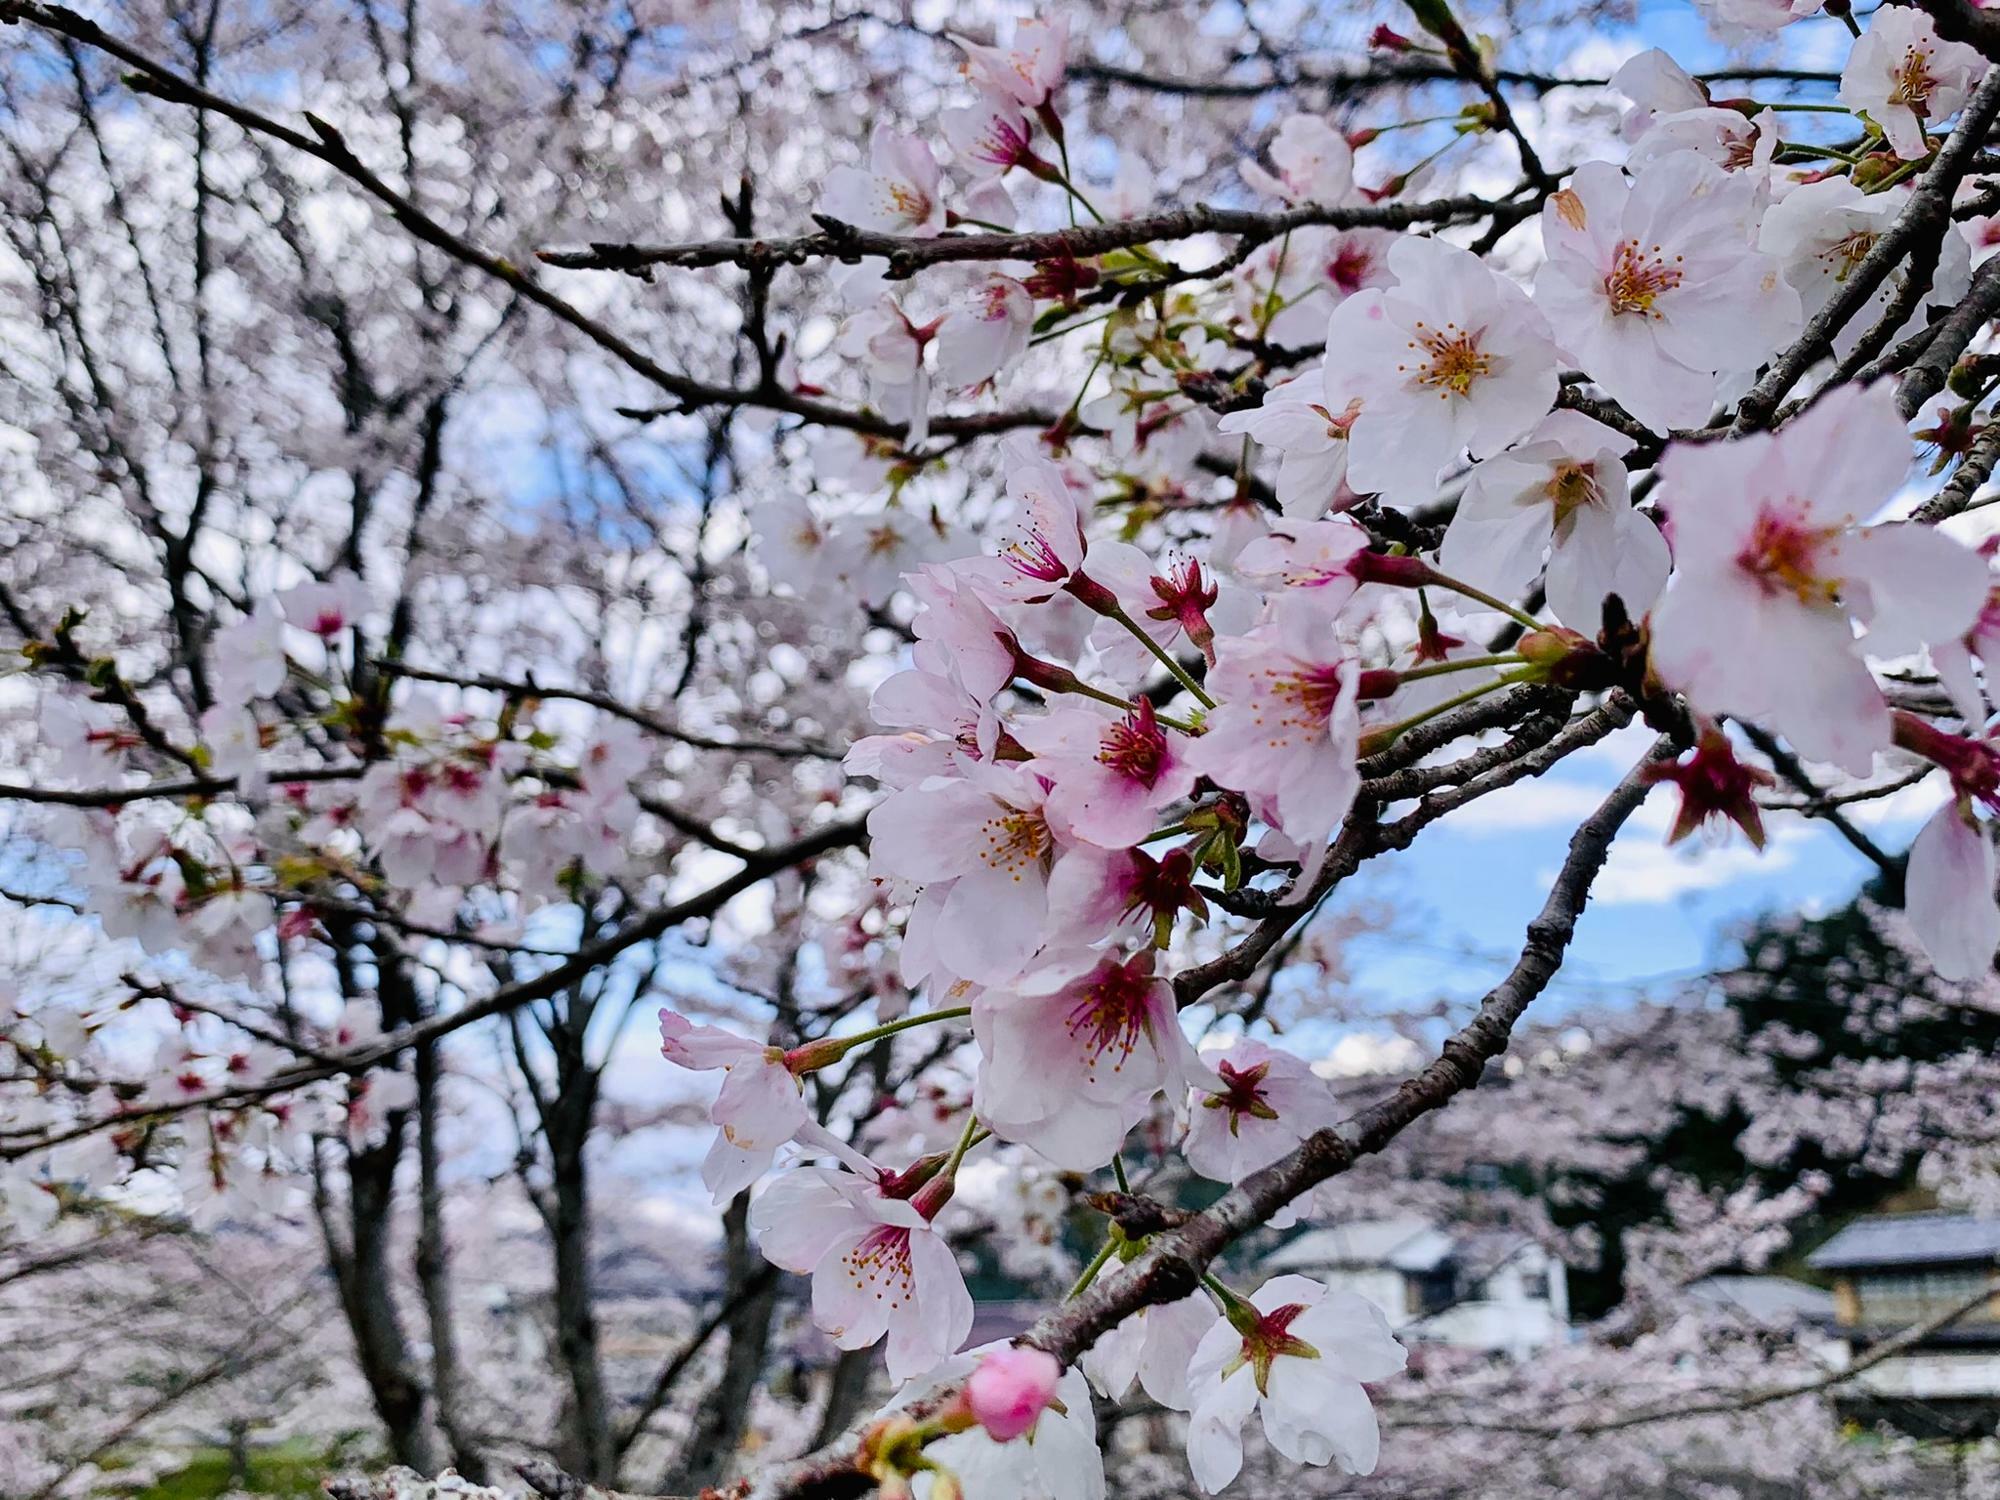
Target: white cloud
(1644, 871)
(1360, 1053)
(1529, 804)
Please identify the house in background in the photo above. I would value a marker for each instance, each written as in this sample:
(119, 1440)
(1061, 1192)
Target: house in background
(1491, 1290)
(1895, 1272)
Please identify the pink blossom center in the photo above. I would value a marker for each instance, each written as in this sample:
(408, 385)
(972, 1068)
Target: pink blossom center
(1002, 144)
(1242, 1093)
(1135, 747)
(880, 1262)
(1783, 555)
(1268, 1338)
(910, 203)
(1308, 693)
(1349, 268)
(1112, 1013)
(1030, 555)
(1637, 278)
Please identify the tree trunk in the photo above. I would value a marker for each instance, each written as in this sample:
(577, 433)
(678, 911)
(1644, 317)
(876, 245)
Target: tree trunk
(846, 1393)
(366, 1280)
(588, 1446)
(720, 1421)
(434, 1278)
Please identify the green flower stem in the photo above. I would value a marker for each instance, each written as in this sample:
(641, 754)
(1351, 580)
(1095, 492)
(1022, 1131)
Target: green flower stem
(839, 1047)
(967, 1139)
(1462, 664)
(1097, 1263)
(1166, 657)
(1099, 695)
(1480, 596)
(1457, 700)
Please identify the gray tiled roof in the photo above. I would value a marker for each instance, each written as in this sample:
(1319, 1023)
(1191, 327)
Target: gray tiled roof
(1909, 1240)
(1775, 1300)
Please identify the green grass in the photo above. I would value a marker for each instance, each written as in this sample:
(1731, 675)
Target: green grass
(285, 1471)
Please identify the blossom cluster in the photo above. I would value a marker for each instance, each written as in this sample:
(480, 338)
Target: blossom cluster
(1093, 742)
(1155, 692)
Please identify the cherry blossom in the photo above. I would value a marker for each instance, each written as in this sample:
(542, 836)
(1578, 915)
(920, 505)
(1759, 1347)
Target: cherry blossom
(1820, 231)
(329, 607)
(1950, 891)
(1908, 78)
(1744, 18)
(1454, 356)
(1310, 428)
(1561, 490)
(1154, 1347)
(1269, 1101)
(1651, 284)
(981, 846)
(1071, 1055)
(898, 193)
(1313, 160)
(1772, 569)
(1736, 143)
(1010, 1390)
(1109, 776)
(758, 1109)
(1057, 1459)
(1286, 724)
(1029, 68)
(878, 1266)
(1298, 1353)
(985, 330)
(1657, 86)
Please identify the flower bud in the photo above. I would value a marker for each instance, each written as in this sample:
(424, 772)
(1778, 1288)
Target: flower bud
(1011, 1389)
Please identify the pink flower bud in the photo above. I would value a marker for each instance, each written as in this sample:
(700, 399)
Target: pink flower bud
(1010, 1389)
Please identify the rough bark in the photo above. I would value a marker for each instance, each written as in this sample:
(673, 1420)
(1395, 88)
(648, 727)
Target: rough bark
(720, 1421)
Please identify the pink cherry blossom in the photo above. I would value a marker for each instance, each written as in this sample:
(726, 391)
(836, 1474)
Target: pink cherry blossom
(1299, 1359)
(1109, 776)
(1651, 283)
(991, 133)
(985, 330)
(1656, 85)
(898, 193)
(1772, 571)
(1286, 725)
(1820, 231)
(1269, 1101)
(878, 1265)
(758, 1109)
(1907, 77)
(327, 608)
(1154, 1346)
(1739, 20)
(1071, 1056)
(1310, 428)
(981, 847)
(1561, 491)
(1453, 357)
(1949, 890)
(1315, 164)
(1029, 68)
